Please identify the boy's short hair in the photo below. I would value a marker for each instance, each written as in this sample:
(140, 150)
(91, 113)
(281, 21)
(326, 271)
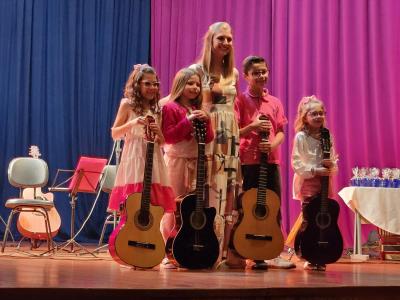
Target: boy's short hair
(249, 61)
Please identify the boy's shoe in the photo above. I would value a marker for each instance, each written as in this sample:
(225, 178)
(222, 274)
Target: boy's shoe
(280, 263)
(233, 261)
(259, 265)
(225, 265)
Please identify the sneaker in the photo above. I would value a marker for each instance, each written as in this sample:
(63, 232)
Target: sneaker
(314, 267)
(280, 263)
(167, 264)
(309, 266)
(225, 265)
(259, 265)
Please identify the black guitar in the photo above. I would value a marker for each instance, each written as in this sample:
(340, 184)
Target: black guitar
(196, 245)
(319, 240)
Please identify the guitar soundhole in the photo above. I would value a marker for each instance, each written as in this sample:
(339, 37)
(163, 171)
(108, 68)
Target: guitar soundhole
(260, 211)
(323, 220)
(143, 220)
(198, 220)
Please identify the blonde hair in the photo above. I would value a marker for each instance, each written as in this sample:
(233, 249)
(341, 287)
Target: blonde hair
(305, 105)
(179, 83)
(206, 53)
(132, 89)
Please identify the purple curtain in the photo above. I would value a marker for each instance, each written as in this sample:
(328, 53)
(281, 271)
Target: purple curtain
(347, 53)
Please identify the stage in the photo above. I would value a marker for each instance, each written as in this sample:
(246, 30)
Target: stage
(66, 275)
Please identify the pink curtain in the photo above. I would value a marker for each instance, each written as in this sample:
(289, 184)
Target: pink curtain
(347, 53)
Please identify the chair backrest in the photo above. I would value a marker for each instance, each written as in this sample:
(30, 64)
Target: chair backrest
(108, 178)
(24, 172)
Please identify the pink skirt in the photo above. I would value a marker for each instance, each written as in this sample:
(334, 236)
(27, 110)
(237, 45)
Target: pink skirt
(159, 196)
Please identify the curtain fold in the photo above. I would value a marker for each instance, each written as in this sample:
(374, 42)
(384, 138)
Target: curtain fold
(63, 68)
(345, 52)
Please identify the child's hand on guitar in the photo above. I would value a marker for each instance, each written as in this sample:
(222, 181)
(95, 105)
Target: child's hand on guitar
(322, 171)
(328, 163)
(155, 128)
(262, 125)
(138, 121)
(265, 146)
(199, 114)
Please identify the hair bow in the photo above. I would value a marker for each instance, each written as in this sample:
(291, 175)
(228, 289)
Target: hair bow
(307, 99)
(137, 66)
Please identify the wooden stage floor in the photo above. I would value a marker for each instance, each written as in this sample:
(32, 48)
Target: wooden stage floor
(69, 276)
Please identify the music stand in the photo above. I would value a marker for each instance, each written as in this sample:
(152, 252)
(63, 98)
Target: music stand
(84, 180)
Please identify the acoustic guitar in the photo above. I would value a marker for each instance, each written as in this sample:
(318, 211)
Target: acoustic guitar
(258, 235)
(30, 224)
(196, 245)
(319, 240)
(137, 240)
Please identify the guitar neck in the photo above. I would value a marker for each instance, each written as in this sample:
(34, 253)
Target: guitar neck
(200, 177)
(148, 173)
(263, 175)
(325, 188)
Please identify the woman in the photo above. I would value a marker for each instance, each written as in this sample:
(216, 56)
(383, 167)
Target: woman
(220, 86)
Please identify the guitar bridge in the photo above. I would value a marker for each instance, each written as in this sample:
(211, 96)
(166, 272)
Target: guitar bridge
(142, 245)
(258, 237)
(197, 247)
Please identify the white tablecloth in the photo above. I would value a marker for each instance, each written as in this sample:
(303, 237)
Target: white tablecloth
(379, 206)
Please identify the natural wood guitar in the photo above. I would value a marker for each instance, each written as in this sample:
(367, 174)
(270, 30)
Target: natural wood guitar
(258, 235)
(30, 224)
(137, 240)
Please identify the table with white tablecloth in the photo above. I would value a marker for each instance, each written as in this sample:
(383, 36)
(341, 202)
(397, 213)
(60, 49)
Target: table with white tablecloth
(378, 206)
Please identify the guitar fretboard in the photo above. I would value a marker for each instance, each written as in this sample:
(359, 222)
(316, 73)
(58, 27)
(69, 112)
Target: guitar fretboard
(263, 175)
(324, 189)
(148, 173)
(325, 146)
(200, 178)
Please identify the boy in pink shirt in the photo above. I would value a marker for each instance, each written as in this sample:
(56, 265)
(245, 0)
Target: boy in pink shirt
(249, 107)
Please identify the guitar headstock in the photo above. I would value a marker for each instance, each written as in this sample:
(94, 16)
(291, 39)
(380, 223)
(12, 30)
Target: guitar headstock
(200, 130)
(34, 151)
(325, 140)
(150, 135)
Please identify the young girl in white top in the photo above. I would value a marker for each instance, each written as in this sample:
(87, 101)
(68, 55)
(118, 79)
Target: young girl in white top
(307, 156)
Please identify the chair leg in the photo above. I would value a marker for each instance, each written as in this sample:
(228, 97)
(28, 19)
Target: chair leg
(5, 224)
(115, 219)
(107, 221)
(10, 217)
(2, 221)
(48, 230)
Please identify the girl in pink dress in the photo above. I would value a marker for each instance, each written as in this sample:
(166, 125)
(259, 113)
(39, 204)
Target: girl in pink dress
(177, 115)
(141, 99)
(182, 107)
